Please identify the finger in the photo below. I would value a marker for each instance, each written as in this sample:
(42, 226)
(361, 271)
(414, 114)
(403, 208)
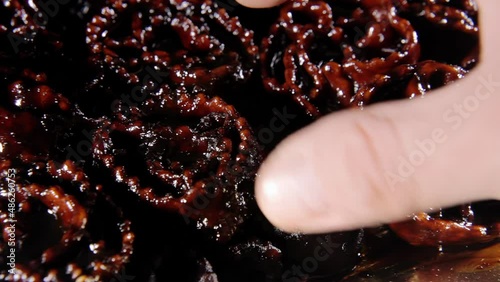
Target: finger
(260, 3)
(361, 168)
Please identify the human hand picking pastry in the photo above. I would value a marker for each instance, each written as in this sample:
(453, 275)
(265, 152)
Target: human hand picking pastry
(343, 171)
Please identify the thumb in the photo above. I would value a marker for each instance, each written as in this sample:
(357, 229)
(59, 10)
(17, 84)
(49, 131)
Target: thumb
(356, 168)
(260, 3)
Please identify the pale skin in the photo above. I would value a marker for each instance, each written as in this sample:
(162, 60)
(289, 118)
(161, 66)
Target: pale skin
(343, 171)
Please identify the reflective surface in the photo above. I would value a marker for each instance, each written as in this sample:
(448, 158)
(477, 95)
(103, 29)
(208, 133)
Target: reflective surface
(477, 265)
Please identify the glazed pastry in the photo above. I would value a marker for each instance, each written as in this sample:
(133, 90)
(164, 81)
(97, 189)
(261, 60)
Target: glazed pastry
(131, 130)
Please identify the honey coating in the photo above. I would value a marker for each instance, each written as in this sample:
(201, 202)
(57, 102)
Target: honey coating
(132, 129)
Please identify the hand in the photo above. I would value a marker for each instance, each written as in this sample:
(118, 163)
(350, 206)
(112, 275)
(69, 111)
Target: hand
(355, 168)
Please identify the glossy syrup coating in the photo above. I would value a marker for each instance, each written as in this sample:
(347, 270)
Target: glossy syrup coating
(329, 55)
(31, 91)
(54, 197)
(453, 27)
(213, 132)
(73, 206)
(182, 38)
(16, 23)
(133, 125)
(201, 170)
(453, 14)
(435, 230)
(23, 31)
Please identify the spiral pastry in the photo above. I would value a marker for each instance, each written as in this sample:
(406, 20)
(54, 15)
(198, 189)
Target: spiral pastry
(46, 183)
(407, 81)
(177, 37)
(79, 216)
(329, 55)
(191, 155)
(455, 14)
(133, 155)
(448, 30)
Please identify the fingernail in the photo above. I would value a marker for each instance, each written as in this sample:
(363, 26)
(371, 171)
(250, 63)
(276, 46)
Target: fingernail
(289, 191)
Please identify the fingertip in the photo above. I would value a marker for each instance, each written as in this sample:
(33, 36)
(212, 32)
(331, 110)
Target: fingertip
(274, 194)
(260, 3)
(303, 188)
